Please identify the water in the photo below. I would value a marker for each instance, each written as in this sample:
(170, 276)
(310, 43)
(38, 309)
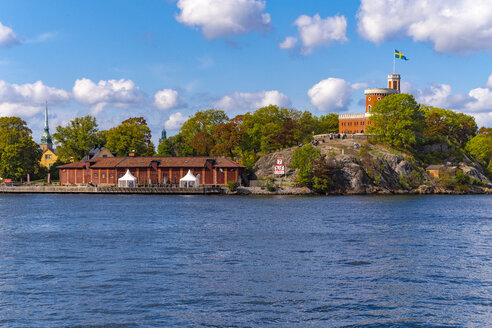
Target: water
(197, 261)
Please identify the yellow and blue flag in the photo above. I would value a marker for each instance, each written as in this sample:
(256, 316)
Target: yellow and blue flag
(399, 55)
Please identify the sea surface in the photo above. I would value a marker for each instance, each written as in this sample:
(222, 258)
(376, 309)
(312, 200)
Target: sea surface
(219, 261)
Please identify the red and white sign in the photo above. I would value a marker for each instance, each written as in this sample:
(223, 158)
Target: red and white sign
(280, 161)
(278, 169)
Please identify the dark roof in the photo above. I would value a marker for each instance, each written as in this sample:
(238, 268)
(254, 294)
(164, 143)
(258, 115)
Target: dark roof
(94, 152)
(434, 167)
(123, 162)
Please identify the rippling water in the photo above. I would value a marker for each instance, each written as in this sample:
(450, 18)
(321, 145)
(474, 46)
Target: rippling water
(181, 261)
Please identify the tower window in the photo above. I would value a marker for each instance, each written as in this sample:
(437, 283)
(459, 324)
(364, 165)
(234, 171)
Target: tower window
(379, 98)
(369, 107)
(369, 98)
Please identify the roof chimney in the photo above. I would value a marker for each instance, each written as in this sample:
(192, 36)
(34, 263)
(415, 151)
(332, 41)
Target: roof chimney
(132, 153)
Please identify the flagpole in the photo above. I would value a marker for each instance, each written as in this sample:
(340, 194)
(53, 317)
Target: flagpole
(394, 63)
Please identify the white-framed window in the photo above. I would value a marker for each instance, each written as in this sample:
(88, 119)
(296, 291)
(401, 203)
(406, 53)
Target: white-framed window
(379, 98)
(369, 108)
(369, 98)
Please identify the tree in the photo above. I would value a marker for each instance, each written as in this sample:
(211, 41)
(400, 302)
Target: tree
(269, 128)
(480, 147)
(484, 130)
(202, 143)
(76, 139)
(303, 159)
(328, 123)
(131, 135)
(398, 119)
(227, 137)
(174, 146)
(458, 127)
(19, 154)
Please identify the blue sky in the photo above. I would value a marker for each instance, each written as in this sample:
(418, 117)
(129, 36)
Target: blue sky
(165, 60)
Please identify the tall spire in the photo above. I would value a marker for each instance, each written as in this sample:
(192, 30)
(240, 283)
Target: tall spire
(46, 137)
(46, 127)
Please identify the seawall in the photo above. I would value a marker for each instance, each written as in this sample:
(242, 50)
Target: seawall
(108, 190)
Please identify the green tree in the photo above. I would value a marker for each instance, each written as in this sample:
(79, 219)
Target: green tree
(76, 139)
(306, 126)
(268, 129)
(19, 154)
(458, 127)
(132, 134)
(480, 147)
(328, 123)
(398, 119)
(174, 146)
(303, 159)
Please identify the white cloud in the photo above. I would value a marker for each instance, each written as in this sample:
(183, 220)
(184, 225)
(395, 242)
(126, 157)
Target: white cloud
(481, 100)
(218, 18)
(458, 26)
(175, 121)
(477, 102)
(483, 119)
(290, 42)
(438, 95)
(252, 101)
(43, 37)
(119, 93)
(28, 99)
(332, 94)
(166, 99)
(315, 32)
(8, 37)
(489, 82)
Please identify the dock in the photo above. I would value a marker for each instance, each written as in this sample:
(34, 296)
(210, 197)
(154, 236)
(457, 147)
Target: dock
(202, 190)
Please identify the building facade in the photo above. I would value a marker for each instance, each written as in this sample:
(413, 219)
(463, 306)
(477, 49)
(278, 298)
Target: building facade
(151, 170)
(359, 123)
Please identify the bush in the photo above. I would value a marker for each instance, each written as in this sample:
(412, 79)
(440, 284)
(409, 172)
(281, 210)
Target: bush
(461, 179)
(270, 185)
(232, 186)
(322, 184)
(303, 159)
(412, 181)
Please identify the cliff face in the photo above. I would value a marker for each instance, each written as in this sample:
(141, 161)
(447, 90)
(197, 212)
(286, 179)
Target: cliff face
(361, 168)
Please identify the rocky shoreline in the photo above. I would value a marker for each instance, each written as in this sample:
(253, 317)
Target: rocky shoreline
(257, 191)
(362, 168)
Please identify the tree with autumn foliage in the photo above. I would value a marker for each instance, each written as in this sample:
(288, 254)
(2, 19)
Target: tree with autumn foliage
(458, 127)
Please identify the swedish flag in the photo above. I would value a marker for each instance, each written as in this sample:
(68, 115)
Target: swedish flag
(399, 55)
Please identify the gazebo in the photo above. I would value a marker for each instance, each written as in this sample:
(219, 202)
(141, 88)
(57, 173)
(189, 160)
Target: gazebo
(128, 180)
(189, 180)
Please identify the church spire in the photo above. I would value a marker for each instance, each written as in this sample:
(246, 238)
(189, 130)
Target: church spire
(46, 137)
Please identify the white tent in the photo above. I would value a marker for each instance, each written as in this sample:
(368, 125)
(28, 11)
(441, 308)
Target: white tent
(128, 180)
(189, 180)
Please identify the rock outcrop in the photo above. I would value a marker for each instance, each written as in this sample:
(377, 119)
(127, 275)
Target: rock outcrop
(373, 169)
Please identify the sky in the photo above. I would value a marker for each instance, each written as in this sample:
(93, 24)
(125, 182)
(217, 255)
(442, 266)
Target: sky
(165, 60)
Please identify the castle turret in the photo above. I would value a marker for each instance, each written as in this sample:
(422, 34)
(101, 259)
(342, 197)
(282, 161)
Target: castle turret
(46, 137)
(394, 82)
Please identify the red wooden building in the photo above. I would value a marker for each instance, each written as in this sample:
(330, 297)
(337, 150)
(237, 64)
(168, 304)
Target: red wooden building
(151, 170)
